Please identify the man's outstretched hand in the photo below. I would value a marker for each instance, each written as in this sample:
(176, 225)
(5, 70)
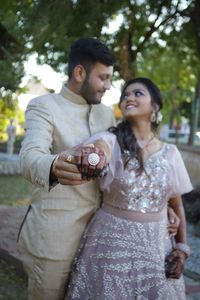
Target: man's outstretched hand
(80, 165)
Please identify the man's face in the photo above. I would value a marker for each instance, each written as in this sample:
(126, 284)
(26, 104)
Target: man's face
(96, 83)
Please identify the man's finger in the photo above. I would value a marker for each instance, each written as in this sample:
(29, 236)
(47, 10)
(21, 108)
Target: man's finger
(65, 166)
(62, 174)
(67, 157)
(71, 182)
(173, 218)
(172, 229)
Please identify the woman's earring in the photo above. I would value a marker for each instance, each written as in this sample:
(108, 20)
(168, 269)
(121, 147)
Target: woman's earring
(153, 117)
(159, 117)
(156, 117)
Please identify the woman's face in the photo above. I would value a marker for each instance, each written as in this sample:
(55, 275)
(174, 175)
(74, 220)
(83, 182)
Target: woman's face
(136, 102)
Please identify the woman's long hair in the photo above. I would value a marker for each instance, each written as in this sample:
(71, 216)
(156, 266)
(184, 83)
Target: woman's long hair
(123, 131)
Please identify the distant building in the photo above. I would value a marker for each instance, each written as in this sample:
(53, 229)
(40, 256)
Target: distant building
(33, 88)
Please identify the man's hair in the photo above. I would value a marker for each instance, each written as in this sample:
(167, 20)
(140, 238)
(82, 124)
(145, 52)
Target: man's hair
(87, 52)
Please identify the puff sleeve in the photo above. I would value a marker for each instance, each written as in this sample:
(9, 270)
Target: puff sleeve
(181, 180)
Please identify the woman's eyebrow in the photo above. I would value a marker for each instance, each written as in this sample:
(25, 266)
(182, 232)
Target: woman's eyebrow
(138, 89)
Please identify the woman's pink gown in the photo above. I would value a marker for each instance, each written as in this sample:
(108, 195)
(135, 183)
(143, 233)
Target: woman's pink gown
(123, 249)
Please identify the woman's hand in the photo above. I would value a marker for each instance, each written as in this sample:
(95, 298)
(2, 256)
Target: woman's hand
(174, 264)
(91, 161)
(75, 166)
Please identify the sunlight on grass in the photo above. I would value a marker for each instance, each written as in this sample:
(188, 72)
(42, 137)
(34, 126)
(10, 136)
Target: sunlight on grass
(15, 190)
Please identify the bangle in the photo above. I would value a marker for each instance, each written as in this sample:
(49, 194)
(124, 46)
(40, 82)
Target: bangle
(184, 248)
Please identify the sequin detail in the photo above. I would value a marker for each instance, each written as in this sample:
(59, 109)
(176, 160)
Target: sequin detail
(147, 192)
(121, 259)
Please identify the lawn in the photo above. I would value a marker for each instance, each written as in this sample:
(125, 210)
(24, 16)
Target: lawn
(14, 190)
(12, 285)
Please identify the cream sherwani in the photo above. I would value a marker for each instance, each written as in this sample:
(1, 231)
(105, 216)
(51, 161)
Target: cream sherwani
(53, 227)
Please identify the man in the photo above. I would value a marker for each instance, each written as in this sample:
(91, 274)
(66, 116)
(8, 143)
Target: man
(55, 123)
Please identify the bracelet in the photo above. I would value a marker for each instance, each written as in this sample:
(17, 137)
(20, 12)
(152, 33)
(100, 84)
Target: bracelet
(184, 248)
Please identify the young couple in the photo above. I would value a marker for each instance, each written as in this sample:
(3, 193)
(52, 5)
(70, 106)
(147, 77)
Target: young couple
(123, 250)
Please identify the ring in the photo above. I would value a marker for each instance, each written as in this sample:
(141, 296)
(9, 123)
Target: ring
(93, 159)
(69, 158)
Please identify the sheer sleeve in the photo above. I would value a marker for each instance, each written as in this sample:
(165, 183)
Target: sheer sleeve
(116, 166)
(181, 180)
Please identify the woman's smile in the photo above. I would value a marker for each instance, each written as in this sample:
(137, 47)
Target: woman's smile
(130, 105)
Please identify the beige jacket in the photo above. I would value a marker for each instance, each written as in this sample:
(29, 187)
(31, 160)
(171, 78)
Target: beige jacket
(58, 216)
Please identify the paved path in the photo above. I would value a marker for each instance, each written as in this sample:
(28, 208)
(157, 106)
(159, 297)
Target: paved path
(11, 218)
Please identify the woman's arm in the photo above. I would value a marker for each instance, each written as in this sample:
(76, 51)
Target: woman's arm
(177, 205)
(175, 261)
(174, 222)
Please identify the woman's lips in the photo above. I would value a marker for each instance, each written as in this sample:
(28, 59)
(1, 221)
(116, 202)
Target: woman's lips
(130, 106)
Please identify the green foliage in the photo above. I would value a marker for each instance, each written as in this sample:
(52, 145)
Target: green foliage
(12, 49)
(49, 29)
(175, 79)
(159, 39)
(12, 284)
(20, 192)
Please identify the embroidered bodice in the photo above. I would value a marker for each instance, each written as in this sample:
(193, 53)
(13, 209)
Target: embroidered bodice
(147, 192)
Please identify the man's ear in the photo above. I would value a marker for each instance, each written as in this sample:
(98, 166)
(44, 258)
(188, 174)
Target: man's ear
(79, 73)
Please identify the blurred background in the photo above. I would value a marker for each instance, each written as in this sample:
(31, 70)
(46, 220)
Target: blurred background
(157, 39)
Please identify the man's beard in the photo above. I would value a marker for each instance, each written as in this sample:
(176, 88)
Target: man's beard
(88, 93)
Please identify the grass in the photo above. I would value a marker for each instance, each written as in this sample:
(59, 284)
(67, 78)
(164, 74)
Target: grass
(12, 286)
(14, 190)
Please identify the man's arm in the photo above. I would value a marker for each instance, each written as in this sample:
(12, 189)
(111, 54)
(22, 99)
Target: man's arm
(177, 205)
(64, 172)
(173, 223)
(71, 167)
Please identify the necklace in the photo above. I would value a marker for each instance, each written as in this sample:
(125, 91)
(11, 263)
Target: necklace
(145, 142)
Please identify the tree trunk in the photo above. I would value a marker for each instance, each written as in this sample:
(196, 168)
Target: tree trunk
(127, 58)
(194, 122)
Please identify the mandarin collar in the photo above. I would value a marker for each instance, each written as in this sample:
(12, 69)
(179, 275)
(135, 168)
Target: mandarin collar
(71, 96)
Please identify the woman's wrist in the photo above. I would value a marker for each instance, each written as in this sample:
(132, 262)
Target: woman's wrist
(183, 248)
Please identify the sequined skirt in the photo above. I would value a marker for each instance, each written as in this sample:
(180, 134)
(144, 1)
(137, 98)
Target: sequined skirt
(121, 259)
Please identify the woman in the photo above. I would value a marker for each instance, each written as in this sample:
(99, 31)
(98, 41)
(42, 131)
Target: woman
(124, 248)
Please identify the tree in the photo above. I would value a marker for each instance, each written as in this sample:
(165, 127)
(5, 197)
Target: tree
(12, 48)
(49, 28)
(194, 15)
(175, 78)
(145, 42)
(186, 43)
